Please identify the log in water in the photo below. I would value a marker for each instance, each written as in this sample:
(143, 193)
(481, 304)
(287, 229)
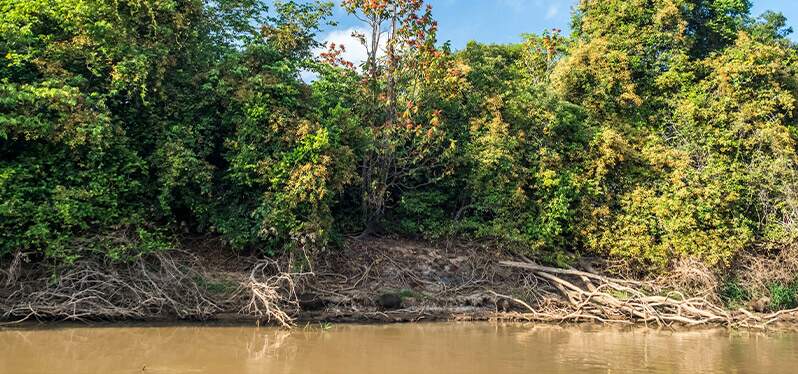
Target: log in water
(412, 348)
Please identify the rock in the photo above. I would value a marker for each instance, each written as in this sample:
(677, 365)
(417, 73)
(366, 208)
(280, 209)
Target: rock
(389, 301)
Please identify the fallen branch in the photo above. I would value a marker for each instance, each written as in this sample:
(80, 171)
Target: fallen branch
(535, 267)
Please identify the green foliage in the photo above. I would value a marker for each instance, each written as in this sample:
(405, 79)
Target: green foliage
(783, 296)
(422, 212)
(73, 167)
(658, 130)
(407, 293)
(558, 259)
(682, 96)
(521, 147)
(733, 294)
(145, 116)
(284, 161)
(218, 287)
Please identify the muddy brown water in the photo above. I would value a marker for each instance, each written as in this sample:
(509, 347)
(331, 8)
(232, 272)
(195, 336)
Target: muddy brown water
(410, 348)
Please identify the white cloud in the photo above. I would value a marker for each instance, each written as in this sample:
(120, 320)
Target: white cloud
(355, 52)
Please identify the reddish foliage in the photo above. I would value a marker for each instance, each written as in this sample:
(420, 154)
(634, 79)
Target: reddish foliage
(333, 56)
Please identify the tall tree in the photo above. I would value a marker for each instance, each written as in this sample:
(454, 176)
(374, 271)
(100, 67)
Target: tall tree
(403, 77)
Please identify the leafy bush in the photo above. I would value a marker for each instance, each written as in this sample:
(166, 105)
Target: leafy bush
(658, 130)
(733, 294)
(783, 296)
(141, 118)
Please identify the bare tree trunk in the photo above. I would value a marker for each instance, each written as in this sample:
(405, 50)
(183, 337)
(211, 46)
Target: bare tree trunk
(391, 73)
(376, 33)
(377, 164)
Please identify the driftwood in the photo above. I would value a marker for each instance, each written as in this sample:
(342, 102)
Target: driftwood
(593, 297)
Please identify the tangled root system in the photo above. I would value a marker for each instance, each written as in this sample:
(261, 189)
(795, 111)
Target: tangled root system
(155, 285)
(170, 285)
(586, 296)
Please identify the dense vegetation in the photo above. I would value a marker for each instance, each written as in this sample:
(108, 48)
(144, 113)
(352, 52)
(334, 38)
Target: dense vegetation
(658, 130)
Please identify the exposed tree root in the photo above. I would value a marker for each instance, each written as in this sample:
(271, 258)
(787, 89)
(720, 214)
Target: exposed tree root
(170, 285)
(270, 293)
(433, 283)
(157, 285)
(587, 296)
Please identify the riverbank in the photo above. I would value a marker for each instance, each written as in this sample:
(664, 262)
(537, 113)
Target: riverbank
(372, 281)
(367, 281)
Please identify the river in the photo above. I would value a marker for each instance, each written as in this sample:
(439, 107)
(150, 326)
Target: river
(410, 348)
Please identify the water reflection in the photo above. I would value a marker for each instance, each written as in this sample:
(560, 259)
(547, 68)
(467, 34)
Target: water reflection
(424, 348)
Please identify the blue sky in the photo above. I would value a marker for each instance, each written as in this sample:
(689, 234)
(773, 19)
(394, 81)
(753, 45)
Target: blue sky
(503, 21)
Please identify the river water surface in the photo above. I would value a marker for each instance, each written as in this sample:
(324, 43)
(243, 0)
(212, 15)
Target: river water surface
(411, 348)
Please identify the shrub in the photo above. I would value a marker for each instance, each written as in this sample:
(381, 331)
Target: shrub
(783, 296)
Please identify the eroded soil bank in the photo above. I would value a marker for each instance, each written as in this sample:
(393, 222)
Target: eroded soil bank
(377, 280)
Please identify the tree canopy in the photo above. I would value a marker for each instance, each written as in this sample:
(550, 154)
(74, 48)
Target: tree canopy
(656, 131)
